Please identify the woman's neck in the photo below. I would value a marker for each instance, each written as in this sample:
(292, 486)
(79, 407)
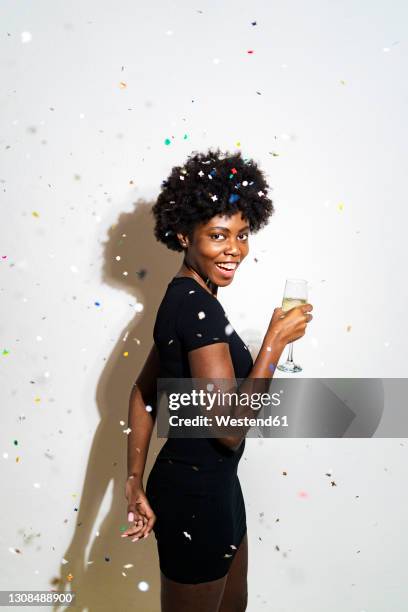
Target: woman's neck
(187, 270)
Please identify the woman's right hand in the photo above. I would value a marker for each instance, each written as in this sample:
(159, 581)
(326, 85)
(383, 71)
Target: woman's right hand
(140, 514)
(286, 327)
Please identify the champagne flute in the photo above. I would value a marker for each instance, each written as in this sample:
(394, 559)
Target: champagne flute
(295, 294)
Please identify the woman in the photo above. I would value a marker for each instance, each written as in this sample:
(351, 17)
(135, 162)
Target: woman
(193, 500)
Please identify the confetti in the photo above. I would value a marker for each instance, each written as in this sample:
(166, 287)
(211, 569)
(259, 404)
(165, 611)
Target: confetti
(167, 141)
(340, 206)
(214, 198)
(229, 329)
(143, 586)
(126, 354)
(35, 214)
(187, 535)
(234, 197)
(201, 315)
(127, 431)
(122, 85)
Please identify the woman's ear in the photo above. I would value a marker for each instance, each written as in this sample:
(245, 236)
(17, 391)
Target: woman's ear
(183, 239)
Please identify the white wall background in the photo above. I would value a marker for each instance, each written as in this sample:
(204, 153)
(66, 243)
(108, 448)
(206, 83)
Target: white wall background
(321, 105)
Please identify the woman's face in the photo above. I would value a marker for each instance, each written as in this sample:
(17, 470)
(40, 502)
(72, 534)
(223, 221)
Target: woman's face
(218, 244)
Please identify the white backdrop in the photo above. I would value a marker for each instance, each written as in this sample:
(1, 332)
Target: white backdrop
(89, 94)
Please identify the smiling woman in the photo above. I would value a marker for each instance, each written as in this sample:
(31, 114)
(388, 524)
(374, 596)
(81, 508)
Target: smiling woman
(221, 199)
(193, 500)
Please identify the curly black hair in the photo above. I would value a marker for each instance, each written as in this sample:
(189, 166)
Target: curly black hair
(210, 184)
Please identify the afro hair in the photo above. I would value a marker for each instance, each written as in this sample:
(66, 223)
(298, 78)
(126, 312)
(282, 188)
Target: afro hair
(210, 184)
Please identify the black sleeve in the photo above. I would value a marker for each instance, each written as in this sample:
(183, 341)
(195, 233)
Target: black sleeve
(201, 320)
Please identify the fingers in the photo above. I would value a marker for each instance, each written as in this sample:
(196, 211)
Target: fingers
(135, 529)
(141, 529)
(147, 527)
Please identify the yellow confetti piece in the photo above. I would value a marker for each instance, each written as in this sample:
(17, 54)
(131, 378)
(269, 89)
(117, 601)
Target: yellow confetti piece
(348, 328)
(35, 213)
(70, 577)
(122, 85)
(238, 144)
(37, 400)
(342, 82)
(340, 206)
(126, 354)
(17, 459)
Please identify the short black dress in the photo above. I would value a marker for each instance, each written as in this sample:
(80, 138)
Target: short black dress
(193, 487)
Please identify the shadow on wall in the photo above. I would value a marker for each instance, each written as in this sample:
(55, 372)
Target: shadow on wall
(104, 583)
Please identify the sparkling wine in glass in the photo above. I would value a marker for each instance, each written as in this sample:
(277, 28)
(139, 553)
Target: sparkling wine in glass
(295, 294)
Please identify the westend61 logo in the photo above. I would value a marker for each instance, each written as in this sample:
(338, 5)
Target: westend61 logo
(208, 400)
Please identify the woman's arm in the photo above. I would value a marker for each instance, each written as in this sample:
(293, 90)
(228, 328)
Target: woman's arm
(140, 420)
(214, 361)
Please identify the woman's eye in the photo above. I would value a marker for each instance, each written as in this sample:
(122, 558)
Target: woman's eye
(245, 236)
(214, 235)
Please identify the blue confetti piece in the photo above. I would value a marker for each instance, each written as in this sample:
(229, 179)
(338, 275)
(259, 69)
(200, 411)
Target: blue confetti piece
(234, 197)
(97, 303)
(272, 367)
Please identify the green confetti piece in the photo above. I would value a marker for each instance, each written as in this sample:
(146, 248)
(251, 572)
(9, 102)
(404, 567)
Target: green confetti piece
(123, 527)
(167, 141)
(6, 352)
(185, 136)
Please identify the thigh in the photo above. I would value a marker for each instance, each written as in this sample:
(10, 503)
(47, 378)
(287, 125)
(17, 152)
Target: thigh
(235, 596)
(202, 597)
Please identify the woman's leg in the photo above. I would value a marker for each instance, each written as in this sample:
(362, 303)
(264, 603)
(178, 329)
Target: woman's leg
(203, 597)
(235, 597)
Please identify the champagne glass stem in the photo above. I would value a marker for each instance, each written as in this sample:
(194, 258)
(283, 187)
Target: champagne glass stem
(290, 353)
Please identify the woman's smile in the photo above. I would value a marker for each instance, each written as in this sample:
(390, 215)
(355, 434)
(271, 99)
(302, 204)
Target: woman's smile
(227, 270)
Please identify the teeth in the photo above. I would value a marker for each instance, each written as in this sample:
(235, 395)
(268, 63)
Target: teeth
(229, 266)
